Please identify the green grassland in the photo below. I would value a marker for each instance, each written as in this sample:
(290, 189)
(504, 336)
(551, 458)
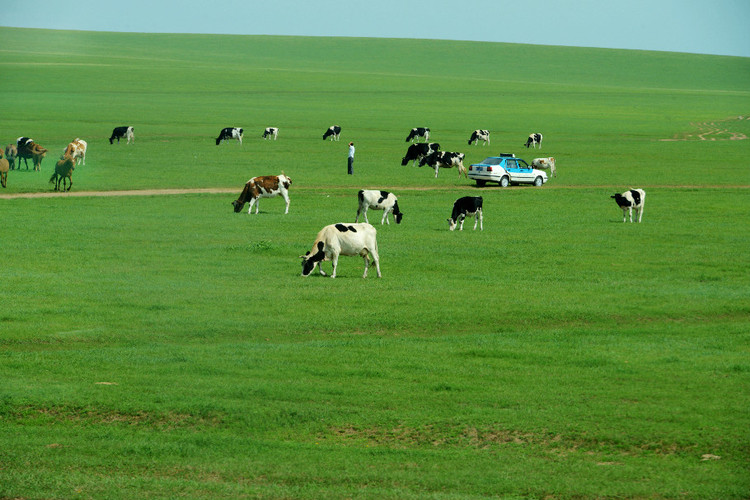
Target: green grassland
(163, 346)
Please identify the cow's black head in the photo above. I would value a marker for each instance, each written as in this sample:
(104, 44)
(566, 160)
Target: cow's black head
(398, 217)
(309, 261)
(237, 204)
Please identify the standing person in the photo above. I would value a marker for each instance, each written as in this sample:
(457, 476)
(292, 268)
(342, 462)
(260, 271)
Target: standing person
(351, 159)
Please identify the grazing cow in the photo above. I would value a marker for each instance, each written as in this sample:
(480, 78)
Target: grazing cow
(545, 164)
(271, 132)
(445, 159)
(422, 132)
(26, 148)
(533, 140)
(378, 200)
(266, 186)
(342, 239)
(11, 152)
(63, 169)
(124, 132)
(480, 135)
(333, 132)
(418, 151)
(230, 133)
(4, 167)
(463, 207)
(629, 200)
(77, 149)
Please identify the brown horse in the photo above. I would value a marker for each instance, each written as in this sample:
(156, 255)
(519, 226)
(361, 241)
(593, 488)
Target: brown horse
(63, 169)
(4, 167)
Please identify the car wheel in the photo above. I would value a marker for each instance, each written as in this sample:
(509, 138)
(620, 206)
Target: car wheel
(504, 182)
(538, 181)
(481, 183)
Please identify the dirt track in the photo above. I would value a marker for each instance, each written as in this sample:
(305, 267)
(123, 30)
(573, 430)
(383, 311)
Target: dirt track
(235, 191)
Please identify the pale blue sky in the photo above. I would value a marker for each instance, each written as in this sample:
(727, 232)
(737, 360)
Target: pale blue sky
(697, 26)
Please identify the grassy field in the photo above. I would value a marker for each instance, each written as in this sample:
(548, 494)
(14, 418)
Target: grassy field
(162, 346)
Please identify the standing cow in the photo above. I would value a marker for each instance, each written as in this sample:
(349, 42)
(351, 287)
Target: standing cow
(545, 164)
(271, 132)
(266, 186)
(480, 135)
(445, 159)
(418, 151)
(533, 140)
(124, 132)
(334, 131)
(343, 239)
(466, 207)
(378, 200)
(422, 132)
(633, 199)
(230, 133)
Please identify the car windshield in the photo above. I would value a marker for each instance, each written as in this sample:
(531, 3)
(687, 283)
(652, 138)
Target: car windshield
(492, 160)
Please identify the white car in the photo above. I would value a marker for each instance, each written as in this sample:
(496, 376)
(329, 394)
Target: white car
(506, 169)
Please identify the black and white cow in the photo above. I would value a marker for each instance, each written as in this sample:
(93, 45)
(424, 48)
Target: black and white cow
(444, 159)
(533, 140)
(378, 200)
(271, 132)
(418, 151)
(342, 239)
(333, 132)
(265, 186)
(632, 199)
(122, 133)
(466, 207)
(422, 132)
(230, 133)
(480, 135)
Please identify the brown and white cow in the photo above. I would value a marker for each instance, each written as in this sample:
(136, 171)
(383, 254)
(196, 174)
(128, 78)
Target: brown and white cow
(266, 186)
(77, 149)
(545, 164)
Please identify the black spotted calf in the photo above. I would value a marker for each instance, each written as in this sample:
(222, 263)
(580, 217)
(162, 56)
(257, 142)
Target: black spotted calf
(122, 133)
(334, 131)
(416, 132)
(378, 200)
(230, 133)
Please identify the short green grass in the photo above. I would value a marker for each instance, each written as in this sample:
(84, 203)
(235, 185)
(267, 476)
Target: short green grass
(163, 346)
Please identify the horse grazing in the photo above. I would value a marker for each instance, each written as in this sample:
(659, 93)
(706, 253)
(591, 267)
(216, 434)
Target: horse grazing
(63, 168)
(4, 167)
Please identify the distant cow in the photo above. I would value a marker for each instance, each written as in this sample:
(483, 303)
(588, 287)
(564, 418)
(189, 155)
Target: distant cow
(230, 133)
(378, 200)
(418, 151)
(124, 132)
(480, 135)
(463, 207)
(266, 186)
(11, 152)
(422, 132)
(633, 199)
(445, 159)
(333, 132)
(342, 239)
(271, 132)
(63, 170)
(533, 140)
(77, 149)
(545, 164)
(27, 149)
(4, 167)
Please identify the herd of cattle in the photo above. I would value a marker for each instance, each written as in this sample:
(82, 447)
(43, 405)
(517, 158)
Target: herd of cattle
(335, 239)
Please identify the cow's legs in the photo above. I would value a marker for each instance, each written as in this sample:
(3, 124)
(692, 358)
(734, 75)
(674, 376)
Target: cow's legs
(385, 218)
(335, 262)
(286, 199)
(366, 258)
(436, 171)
